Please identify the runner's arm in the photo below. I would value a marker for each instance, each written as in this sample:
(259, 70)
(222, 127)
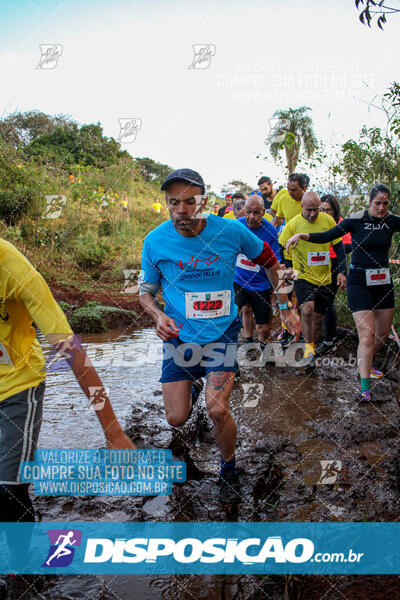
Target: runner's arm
(341, 257)
(166, 327)
(50, 319)
(277, 221)
(342, 228)
(275, 274)
(342, 265)
(89, 380)
(149, 284)
(279, 216)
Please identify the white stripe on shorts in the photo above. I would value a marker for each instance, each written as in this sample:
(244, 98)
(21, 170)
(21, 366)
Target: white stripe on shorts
(27, 431)
(32, 424)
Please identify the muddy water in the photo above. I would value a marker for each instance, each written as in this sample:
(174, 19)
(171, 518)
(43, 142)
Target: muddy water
(307, 451)
(127, 364)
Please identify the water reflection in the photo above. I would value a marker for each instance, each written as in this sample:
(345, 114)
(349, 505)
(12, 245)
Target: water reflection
(129, 366)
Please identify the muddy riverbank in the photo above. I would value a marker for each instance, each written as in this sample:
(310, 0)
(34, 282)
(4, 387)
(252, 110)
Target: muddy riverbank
(129, 314)
(289, 422)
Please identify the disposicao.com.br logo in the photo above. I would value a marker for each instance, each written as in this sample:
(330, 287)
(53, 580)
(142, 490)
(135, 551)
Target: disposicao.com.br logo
(202, 547)
(248, 551)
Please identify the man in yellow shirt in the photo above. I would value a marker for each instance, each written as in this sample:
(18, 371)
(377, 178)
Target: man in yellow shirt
(289, 201)
(312, 262)
(286, 205)
(275, 202)
(285, 196)
(25, 298)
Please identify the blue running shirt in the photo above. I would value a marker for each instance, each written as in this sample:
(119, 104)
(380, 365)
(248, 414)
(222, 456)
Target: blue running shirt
(247, 274)
(196, 274)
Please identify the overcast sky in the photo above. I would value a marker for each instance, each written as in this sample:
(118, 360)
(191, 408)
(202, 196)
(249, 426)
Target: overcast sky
(130, 60)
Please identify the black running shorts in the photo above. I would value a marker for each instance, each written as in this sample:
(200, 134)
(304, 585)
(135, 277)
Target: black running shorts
(309, 292)
(361, 296)
(260, 302)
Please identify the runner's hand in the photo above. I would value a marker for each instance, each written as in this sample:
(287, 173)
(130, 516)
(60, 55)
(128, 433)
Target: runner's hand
(119, 440)
(341, 281)
(292, 322)
(166, 328)
(293, 241)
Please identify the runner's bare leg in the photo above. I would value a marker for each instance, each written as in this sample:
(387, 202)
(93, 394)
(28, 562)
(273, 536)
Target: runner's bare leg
(248, 320)
(383, 323)
(177, 401)
(307, 321)
(365, 323)
(218, 390)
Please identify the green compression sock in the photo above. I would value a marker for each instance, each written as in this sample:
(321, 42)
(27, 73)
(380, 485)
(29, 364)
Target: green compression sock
(365, 386)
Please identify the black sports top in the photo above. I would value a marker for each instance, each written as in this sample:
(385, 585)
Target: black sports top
(371, 237)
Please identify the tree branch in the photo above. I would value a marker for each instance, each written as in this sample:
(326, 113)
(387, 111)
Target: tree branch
(370, 9)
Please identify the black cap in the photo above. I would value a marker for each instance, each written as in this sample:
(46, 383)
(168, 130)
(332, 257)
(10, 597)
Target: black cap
(187, 175)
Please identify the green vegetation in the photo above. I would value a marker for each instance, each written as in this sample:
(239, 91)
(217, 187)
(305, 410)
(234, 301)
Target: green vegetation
(95, 318)
(374, 157)
(65, 306)
(293, 133)
(42, 156)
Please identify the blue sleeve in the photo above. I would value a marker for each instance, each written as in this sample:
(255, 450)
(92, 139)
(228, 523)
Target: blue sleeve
(273, 240)
(150, 272)
(250, 244)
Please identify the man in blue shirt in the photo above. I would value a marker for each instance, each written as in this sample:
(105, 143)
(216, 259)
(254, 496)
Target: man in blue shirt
(192, 256)
(252, 286)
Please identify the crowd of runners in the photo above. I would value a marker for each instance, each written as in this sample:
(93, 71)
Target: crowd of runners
(222, 268)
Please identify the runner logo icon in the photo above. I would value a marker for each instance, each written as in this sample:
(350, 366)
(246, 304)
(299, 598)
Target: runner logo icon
(62, 547)
(50, 53)
(203, 53)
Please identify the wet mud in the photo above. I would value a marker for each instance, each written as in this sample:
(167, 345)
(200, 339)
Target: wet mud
(289, 420)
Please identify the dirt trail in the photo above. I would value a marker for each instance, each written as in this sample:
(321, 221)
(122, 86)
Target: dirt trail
(291, 421)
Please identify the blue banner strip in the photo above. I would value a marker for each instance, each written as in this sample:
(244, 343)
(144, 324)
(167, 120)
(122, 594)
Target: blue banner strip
(195, 548)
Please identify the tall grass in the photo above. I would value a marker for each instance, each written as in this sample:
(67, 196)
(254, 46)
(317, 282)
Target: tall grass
(83, 245)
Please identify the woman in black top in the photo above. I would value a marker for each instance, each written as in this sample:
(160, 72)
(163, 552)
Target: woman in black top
(369, 286)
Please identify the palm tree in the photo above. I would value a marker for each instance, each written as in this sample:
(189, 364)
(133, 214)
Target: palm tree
(292, 129)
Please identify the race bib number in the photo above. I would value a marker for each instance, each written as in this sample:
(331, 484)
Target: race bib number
(318, 258)
(377, 276)
(207, 305)
(4, 356)
(244, 263)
